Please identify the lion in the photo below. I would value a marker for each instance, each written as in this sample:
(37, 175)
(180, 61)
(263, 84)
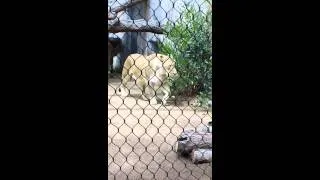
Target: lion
(132, 69)
(158, 85)
(168, 63)
(166, 70)
(151, 74)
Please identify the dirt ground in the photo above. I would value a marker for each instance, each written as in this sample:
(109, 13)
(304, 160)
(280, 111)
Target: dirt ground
(142, 138)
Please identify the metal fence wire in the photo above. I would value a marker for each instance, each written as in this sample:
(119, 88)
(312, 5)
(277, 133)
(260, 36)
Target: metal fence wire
(159, 89)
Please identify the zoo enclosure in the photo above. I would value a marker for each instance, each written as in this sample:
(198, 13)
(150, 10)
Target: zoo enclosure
(142, 138)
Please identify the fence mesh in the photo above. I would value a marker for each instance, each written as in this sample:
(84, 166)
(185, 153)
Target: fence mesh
(159, 89)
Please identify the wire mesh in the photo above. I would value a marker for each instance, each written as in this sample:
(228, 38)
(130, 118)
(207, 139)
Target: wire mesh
(159, 89)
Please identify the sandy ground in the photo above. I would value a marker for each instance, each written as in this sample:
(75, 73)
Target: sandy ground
(142, 138)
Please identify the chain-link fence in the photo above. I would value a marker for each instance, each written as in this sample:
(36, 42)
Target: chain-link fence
(159, 89)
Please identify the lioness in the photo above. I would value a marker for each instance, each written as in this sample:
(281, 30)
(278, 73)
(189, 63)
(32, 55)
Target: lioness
(132, 69)
(151, 75)
(165, 70)
(168, 63)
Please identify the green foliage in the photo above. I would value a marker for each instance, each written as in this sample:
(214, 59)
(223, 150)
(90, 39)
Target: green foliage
(189, 42)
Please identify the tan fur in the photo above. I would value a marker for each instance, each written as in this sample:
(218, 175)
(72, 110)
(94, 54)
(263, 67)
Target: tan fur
(158, 87)
(134, 68)
(151, 75)
(168, 63)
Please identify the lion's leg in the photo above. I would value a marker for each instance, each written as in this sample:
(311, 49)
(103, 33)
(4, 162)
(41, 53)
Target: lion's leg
(142, 85)
(153, 100)
(167, 93)
(151, 94)
(124, 91)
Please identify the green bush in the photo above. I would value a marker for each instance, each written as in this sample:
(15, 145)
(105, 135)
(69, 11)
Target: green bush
(189, 42)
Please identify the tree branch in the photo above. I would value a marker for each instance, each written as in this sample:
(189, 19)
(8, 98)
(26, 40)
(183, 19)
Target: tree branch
(112, 13)
(126, 5)
(135, 26)
(115, 25)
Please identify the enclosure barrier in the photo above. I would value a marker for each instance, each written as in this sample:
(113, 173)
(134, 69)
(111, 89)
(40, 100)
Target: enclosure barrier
(160, 100)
